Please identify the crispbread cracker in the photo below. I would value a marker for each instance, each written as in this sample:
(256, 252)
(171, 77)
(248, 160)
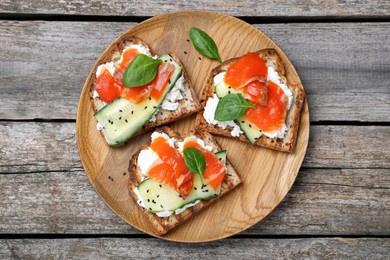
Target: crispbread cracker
(187, 106)
(164, 224)
(286, 144)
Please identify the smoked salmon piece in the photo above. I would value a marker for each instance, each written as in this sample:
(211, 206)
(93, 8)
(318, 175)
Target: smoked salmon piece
(247, 69)
(271, 117)
(172, 157)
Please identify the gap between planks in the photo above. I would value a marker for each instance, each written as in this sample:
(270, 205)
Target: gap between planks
(248, 19)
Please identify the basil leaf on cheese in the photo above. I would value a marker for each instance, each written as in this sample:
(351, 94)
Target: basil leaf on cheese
(231, 107)
(195, 161)
(141, 70)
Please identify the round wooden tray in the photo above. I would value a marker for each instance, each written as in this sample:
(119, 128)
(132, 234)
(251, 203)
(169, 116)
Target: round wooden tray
(266, 175)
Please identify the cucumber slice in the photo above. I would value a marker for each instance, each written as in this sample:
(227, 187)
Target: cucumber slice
(222, 89)
(251, 132)
(201, 192)
(121, 118)
(221, 155)
(159, 197)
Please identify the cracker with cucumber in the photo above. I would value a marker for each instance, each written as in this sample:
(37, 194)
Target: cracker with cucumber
(173, 177)
(136, 90)
(249, 99)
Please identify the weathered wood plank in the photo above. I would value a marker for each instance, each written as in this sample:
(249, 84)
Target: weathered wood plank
(321, 202)
(238, 8)
(342, 66)
(114, 248)
(31, 147)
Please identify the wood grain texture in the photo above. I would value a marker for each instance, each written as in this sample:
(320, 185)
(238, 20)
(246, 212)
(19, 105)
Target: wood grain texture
(114, 248)
(266, 184)
(30, 147)
(321, 202)
(336, 87)
(285, 8)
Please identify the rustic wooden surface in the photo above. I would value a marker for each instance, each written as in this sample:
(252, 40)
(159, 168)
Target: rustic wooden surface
(114, 248)
(251, 8)
(360, 77)
(339, 206)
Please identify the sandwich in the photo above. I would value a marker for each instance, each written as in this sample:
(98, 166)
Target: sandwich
(165, 182)
(122, 111)
(249, 99)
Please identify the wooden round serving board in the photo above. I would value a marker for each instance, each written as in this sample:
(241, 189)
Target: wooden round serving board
(266, 175)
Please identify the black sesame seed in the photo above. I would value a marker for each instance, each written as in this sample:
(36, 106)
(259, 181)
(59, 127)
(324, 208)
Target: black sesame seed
(112, 122)
(146, 107)
(158, 196)
(169, 81)
(229, 92)
(161, 206)
(154, 107)
(148, 200)
(206, 190)
(120, 118)
(199, 58)
(132, 112)
(220, 159)
(154, 202)
(150, 98)
(147, 191)
(188, 40)
(250, 125)
(165, 60)
(242, 121)
(160, 185)
(150, 209)
(229, 87)
(126, 120)
(185, 52)
(140, 201)
(186, 99)
(170, 60)
(120, 110)
(195, 188)
(124, 174)
(179, 196)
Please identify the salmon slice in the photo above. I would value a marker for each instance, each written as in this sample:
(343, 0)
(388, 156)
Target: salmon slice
(163, 173)
(106, 87)
(248, 68)
(161, 81)
(172, 157)
(256, 92)
(271, 117)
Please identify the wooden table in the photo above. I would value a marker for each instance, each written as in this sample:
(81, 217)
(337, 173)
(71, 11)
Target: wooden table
(339, 206)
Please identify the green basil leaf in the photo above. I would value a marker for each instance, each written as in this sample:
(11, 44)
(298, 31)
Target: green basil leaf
(195, 161)
(141, 70)
(231, 107)
(204, 44)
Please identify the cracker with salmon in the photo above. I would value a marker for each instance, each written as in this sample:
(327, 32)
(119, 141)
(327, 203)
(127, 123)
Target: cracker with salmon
(274, 123)
(123, 112)
(165, 191)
